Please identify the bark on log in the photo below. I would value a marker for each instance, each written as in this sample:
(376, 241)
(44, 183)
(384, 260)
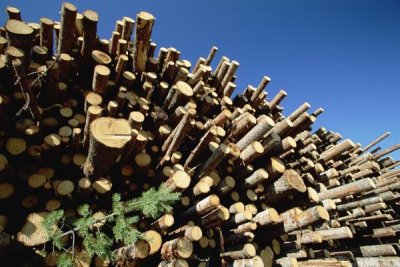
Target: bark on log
(144, 26)
(177, 248)
(347, 189)
(378, 261)
(264, 124)
(67, 28)
(290, 181)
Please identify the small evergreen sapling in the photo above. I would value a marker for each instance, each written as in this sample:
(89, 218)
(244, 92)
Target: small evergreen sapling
(152, 204)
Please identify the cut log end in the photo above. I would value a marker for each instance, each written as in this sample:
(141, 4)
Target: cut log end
(114, 133)
(295, 180)
(18, 27)
(184, 88)
(154, 239)
(145, 16)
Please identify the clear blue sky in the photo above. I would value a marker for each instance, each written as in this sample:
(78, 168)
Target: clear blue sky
(341, 55)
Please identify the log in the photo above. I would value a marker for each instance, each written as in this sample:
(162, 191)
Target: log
(13, 13)
(100, 79)
(258, 176)
(46, 34)
(378, 250)
(336, 150)
(202, 207)
(240, 125)
(336, 233)
(377, 261)
(93, 113)
(89, 23)
(264, 124)
(266, 217)
(217, 156)
(177, 248)
(144, 26)
(245, 252)
(252, 262)
(174, 263)
(139, 250)
(290, 181)
(67, 28)
(20, 35)
(179, 181)
(376, 141)
(108, 137)
(347, 189)
(33, 234)
(154, 239)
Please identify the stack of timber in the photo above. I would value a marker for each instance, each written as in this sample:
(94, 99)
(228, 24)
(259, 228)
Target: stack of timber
(83, 117)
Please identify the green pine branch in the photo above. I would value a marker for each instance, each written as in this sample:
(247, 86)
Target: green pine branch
(152, 204)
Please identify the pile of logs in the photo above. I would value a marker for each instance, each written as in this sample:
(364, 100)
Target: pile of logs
(84, 117)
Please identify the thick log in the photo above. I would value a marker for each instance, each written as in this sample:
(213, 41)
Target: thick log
(154, 239)
(215, 159)
(179, 181)
(378, 261)
(240, 125)
(289, 182)
(20, 35)
(108, 137)
(139, 250)
(177, 248)
(266, 217)
(264, 124)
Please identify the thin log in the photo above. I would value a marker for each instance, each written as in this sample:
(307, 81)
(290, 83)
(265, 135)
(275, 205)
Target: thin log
(67, 28)
(144, 26)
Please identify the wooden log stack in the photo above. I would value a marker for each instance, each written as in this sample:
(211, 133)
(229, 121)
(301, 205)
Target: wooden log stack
(83, 117)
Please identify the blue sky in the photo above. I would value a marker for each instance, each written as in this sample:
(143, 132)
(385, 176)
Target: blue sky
(341, 55)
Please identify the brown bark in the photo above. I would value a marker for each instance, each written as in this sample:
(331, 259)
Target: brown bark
(144, 26)
(67, 28)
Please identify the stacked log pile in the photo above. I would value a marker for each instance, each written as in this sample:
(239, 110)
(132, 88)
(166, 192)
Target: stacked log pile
(84, 117)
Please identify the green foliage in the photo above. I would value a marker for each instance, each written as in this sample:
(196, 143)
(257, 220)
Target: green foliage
(84, 210)
(65, 260)
(98, 244)
(50, 222)
(123, 230)
(50, 225)
(151, 203)
(84, 223)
